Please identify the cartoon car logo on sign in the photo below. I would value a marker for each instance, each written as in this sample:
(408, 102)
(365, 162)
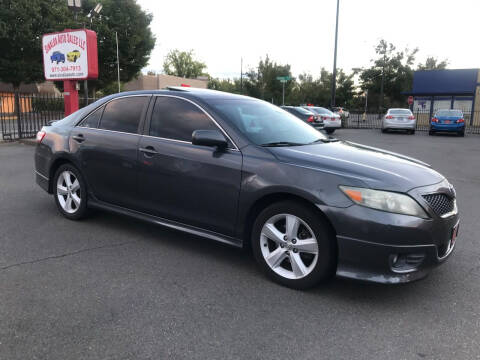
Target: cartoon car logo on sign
(57, 57)
(72, 56)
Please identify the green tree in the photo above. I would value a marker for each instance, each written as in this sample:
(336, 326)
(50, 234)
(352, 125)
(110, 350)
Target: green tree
(22, 24)
(135, 39)
(182, 63)
(433, 63)
(394, 69)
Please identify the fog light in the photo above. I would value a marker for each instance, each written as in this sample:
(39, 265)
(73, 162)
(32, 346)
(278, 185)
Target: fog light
(404, 263)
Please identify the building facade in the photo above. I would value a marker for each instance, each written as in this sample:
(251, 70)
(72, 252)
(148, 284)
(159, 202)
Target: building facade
(447, 89)
(161, 81)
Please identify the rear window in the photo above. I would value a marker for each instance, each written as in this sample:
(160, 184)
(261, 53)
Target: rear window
(449, 113)
(320, 110)
(123, 114)
(400, 112)
(303, 111)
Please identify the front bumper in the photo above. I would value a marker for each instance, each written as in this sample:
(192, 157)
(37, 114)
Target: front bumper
(390, 248)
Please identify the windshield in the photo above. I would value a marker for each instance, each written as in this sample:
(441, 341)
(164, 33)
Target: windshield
(320, 110)
(266, 124)
(449, 113)
(399, 112)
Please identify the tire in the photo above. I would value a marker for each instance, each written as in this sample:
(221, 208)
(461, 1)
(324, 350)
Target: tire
(462, 133)
(384, 131)
(330, 131)
(74, 203)
(310, 267)
(412, 132)
(431, 132)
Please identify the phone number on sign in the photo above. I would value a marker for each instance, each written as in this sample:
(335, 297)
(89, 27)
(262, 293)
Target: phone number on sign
(56, 69)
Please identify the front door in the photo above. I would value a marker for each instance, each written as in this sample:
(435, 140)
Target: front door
(192, 184)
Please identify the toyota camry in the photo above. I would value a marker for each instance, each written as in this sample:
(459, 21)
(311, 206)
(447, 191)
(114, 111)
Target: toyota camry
(245, 172)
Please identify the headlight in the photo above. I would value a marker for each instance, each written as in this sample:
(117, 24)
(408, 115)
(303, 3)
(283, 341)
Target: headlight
(384, 200)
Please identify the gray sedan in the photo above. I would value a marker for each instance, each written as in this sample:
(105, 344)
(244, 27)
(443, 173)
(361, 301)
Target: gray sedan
(399, 119)
(244, 172)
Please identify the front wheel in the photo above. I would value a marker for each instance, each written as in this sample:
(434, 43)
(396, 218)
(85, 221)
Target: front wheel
(330, 131)
(70, 192)
(293, 245)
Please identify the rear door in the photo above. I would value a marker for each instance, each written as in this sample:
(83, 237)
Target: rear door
(106, 144)
(191, 184)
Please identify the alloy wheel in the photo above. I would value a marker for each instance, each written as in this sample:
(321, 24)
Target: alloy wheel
(289, 246)
(68, 192)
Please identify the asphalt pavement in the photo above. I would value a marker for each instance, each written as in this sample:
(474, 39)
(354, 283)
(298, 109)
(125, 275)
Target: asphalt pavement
(111, 287)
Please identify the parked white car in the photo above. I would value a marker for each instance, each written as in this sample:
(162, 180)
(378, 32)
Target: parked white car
(399, 119)
(331, 121)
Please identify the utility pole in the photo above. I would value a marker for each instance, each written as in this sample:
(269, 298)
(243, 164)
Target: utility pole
(118, 63)
(380, 108)
(241, 75)
(334, 75)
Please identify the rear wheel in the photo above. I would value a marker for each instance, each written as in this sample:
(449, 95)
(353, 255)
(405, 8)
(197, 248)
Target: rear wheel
(70, 192)
(461, 133)
(384, 131)
(330, 131)
(412, 132)
(431, 132)
(293, 245)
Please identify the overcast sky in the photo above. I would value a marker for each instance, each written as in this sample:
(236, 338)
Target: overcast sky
(301, 32)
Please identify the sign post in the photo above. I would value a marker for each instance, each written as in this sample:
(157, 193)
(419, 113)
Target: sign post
(283, 80)
(69, 56)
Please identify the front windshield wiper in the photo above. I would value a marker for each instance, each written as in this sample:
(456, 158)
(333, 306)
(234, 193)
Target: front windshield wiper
(323, 140)
(281, 143)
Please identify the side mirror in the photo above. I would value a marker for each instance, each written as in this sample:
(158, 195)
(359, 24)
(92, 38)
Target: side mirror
(209, 138)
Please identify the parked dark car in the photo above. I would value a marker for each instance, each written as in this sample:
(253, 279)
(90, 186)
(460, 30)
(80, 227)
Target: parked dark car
(244, 172)
(305, 115)
(449, 120)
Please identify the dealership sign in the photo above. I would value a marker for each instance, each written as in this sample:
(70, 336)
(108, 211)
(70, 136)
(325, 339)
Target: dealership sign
(70, 55)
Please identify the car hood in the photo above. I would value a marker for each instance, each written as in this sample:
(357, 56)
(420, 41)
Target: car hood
(378, 169)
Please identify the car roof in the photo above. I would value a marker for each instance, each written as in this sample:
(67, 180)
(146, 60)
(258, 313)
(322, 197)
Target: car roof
(202, 94)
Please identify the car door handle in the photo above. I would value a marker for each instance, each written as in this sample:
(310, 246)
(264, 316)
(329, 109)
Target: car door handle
(78, 138)
(148, 151)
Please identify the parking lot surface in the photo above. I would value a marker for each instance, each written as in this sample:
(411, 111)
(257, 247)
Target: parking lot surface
(111, 287)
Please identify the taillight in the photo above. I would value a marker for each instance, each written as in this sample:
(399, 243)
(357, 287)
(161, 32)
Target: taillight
(460, 121)
(40, 136)
(389, 117)
(310, 118)
(411, 117)
(435, 120)
(324, 117)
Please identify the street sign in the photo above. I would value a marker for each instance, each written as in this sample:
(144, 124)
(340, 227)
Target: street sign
(283, 78)
(410, 100)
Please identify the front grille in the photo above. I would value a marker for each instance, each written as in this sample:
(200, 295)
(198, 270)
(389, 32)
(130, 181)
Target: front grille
(441, 204)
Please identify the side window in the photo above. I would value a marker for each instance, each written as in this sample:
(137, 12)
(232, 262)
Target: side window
(123, 114)
(92, 120)
(177, 119)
